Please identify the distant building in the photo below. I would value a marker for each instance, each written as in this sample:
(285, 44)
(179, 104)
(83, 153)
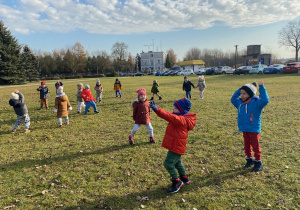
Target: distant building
(192, 64)
(254, 56)
(152, 61)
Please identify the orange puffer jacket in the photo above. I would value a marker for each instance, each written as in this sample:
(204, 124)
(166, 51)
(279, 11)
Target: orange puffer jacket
(177, 130)
(87, 95)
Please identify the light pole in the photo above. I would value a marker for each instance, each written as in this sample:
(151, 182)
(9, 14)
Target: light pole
(235, 56)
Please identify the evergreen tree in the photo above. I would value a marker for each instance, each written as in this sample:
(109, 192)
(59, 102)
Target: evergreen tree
(168, 62)
(11, 69)
(30, 64)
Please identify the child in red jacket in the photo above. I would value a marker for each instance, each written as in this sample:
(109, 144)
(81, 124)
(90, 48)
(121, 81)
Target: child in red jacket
(180, 122)
(141, 115)
(89, 100)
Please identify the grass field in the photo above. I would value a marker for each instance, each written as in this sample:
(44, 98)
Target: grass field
(89, 163)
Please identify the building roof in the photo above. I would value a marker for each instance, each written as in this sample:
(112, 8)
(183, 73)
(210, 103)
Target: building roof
(192, 62)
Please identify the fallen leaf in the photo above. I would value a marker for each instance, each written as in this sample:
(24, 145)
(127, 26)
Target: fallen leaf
(10, 207)
(195, 209)
(44, 192)
(142, 206)
(269, 205)
(286, 167)
(138, 198)
(145, 198)
(183, 200)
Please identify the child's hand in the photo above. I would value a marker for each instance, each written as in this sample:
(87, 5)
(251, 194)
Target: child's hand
(153, 106)
(261, 82)
(16, 90)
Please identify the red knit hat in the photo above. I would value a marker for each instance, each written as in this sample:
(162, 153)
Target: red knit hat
(43, 83)
(141, 92)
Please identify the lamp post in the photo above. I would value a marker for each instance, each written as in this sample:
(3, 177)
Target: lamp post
(235, 56)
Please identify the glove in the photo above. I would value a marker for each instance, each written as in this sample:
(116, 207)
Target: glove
(153, 106)
(70, 108)
(54, 110)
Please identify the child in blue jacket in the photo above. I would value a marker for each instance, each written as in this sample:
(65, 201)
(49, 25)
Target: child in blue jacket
(249, 109)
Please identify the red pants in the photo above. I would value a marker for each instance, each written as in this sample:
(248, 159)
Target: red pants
(251, 142)
(44, 100)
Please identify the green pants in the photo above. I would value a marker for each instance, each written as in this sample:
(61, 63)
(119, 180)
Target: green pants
(173, 161)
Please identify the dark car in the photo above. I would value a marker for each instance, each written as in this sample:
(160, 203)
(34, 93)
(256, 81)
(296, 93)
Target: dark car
(138, 74)
(243, 70)
(274, 69)
(165, 73)
(174, 73)
(210, 70)
(291, 68)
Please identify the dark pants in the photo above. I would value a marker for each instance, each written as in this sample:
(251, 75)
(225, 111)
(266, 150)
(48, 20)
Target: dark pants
(172, 162)
(251, 142)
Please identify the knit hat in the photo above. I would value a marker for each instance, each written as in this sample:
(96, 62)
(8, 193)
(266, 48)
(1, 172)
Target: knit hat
(255, 84)
(117, 79)
(87, 86)
(185, 77)
(80, 85)
(201, 78)
(14, 96)
(141, 92)
(97, 81)
(183, 105)
(60, 90)
(43, 83)
(250, 89)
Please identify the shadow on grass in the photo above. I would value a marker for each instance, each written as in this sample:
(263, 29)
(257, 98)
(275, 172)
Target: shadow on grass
(70, 157)
(158, 193)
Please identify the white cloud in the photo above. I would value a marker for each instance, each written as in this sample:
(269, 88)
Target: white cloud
(141, 16)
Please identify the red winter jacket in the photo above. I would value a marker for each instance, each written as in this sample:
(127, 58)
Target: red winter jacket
(87, 95)
(177, 130)
(141, 112)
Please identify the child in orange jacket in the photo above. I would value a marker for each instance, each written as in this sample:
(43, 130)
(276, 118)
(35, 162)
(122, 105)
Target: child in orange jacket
(118, 88)
(89, 100)
(180, 122)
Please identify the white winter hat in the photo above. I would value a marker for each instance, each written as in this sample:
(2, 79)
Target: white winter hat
(14, 96)
(87, 86)
(97, 81)
(250, 89)
(60, 90)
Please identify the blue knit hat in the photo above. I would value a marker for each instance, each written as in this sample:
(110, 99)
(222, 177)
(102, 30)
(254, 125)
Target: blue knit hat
(183, 105)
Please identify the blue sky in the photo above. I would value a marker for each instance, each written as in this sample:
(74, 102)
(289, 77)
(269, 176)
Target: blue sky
(179, 25)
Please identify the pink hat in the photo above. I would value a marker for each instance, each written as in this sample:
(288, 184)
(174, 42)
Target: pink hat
(141, 92)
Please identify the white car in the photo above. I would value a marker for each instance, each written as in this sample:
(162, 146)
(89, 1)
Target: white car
(224, 70)
(186, 72)
(199, 71)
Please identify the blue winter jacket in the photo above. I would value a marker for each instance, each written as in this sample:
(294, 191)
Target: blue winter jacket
(249, 112)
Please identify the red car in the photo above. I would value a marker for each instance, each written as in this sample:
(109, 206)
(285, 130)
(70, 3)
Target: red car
(291, 68)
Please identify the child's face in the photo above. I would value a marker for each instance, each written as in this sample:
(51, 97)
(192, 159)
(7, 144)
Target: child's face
(142, 97)
(79, 87)
(175, 110)
(98, 83)
(244, 95)
(43, 85)
(185, 79)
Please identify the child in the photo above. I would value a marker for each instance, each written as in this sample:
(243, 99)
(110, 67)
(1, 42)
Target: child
(118, 88)
(58, 84)
(249, 120)
(180, 122)
(18, 102)
(99, 90)
(62, 105)
(201, 85)
(187, 87)
(141, 115)
(79, 99)
(155, 90)
(89, 100)
(43, 94)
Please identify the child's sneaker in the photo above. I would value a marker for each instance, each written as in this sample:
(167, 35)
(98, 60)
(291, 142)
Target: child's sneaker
(26, 131)
(67, 123)
(257, 165)
(97, 112)
(59, 125)
(151, 99)
(13, 131)
(176, 185)
(78, 112)
(184, 179)
(131, 139)
(249, 163)
(152, 140)
(159, 98)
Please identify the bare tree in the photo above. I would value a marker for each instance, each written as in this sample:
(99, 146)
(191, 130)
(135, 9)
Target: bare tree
(193, 54)
(119, 51)
(289, 36)
(172, 57)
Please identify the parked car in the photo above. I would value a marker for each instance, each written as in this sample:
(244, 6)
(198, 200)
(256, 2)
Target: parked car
(274, 69)
(158, 73)
(199, 71)
(258, 69)
(186, 72)
(174, 73)
(121, 74)
(165, 73)
(243, 70)
(130, 74)
(210, 70)
(223, 70)
(291, 68)
(138, 74)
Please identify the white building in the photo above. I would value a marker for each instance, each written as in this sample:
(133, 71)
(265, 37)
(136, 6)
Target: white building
(152, 61)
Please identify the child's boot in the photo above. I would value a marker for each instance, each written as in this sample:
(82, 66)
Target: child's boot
(257, 165)
(96, 111)
(184, 179)
(152, 140)
(151, 99)
(159, 98)
(176, 185)
(131, 139)
(26, 131)
(249, 163)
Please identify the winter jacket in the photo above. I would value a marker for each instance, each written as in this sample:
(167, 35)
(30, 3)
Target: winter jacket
(62, 104)
(19, 105)
(201, 85)
(249, 112)
(154, 88)
(87, 95)
(141, 112)
(78, 95)
(187, 85)
(43, 92)
(177, 130)
(118, 86)
(99, 89)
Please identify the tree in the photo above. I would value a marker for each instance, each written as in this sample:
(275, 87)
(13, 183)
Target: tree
(168, 62)
(11, 69)
(137, 66)
(69, 62)
(193, 54)
(171, 57)
(30, 64)
(119, 51)
(80, 57)
(289, 36)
